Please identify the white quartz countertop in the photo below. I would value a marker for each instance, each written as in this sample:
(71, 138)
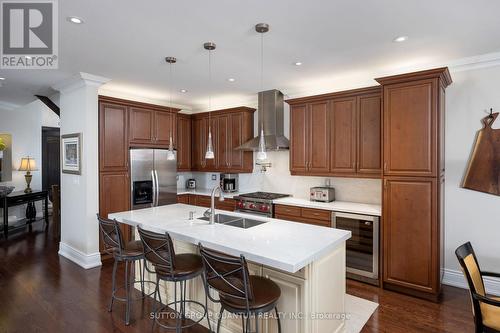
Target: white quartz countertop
(336, 206)
(280, 244)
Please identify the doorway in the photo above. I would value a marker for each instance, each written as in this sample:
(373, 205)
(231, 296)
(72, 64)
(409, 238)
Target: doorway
(51, 158)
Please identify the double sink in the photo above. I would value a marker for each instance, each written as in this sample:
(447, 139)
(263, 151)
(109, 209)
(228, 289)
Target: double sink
(234, 221)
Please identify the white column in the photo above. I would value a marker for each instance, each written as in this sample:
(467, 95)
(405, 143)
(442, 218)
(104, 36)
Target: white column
(80, 193)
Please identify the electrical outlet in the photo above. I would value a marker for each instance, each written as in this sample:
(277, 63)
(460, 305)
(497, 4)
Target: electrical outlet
(214, 177)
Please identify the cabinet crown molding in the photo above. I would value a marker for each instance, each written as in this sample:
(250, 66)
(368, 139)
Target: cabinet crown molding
(441, 73)
(142, 105)
(223, 111)
(337, 94)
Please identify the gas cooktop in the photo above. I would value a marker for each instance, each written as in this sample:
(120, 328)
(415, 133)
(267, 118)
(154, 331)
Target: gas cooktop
(263, 195)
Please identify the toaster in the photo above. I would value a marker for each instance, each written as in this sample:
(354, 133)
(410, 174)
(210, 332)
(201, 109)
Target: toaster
(322, 193)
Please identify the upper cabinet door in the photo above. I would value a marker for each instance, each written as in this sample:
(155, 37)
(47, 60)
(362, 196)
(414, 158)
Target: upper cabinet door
(319, 140)
(410, 128)
(223, 154)
(164, 122)
(183, 143)
(236, 139)
(343, 136)
(298, 138)
(198, 157)
(369, 135)
(113, 137)
(141, 130)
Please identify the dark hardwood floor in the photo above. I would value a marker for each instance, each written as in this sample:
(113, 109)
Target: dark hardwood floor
(42, 292)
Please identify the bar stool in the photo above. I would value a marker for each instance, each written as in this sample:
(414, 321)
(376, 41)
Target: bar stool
(239, 292)
(172, 267)
(128, 253)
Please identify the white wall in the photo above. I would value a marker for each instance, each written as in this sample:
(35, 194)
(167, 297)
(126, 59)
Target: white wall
(25, 125)
(470, 215)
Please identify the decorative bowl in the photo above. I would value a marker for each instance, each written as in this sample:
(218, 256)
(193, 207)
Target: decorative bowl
(5, 190)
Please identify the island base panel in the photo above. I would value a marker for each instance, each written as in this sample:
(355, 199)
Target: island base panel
(312, 299)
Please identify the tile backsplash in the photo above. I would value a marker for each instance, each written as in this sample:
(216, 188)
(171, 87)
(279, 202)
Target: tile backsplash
(277, 178)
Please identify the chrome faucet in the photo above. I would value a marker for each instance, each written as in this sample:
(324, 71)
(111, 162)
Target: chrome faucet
(212, 202)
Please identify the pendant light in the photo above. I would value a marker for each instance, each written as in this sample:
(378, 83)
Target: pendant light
(209, 155)
(262, 28)
(170, 151)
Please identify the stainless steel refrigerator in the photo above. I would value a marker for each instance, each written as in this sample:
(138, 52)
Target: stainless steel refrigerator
(153, 178)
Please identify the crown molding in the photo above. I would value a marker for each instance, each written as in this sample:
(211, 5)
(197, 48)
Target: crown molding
(475, 62)
(80, 80)
(8, 106)
(142, 99)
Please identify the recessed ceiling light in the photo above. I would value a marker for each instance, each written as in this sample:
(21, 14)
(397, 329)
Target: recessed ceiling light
(184, 91)
(231, 79)
(400, 39)
(297, 63)
(75, 20)
(2, 78)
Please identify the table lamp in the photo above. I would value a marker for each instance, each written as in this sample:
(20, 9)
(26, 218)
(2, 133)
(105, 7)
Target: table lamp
(28, 165)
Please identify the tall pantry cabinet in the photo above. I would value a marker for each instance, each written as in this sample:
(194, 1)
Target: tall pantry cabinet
(413, 181)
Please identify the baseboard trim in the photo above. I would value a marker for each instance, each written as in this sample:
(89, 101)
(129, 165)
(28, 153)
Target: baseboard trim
(83, 260)
(456, 279)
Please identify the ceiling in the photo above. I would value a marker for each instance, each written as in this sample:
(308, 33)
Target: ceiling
(340, 43)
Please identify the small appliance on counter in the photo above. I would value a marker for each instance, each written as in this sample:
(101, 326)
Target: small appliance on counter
(322, 194)
(191, 184)
(229, 182)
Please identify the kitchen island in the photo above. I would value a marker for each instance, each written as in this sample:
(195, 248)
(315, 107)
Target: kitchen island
(307, 262)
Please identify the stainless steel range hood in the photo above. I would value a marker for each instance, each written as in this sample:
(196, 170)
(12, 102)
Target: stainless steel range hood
(271, 113)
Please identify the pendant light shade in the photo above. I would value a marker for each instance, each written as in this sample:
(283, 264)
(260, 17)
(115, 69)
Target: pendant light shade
(261, 153)
(170, 151)
(262, 28)
(209, 155)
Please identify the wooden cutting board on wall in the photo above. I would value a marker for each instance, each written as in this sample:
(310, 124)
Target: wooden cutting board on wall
(483, 170)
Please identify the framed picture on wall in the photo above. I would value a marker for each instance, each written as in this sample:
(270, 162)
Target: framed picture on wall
(71, 153)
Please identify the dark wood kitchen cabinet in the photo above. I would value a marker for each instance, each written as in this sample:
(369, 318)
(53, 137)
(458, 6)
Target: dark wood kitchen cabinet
(151, 128)
(114, 196)
(230, 128)
(410, 128)
(413, 181)
(411, 233)
(184, 123)
(122, 124)
(313, 216)
(337, 134)
(298, 138)
(343, 136)
(369, 156)
(309, 138)
(113, 137)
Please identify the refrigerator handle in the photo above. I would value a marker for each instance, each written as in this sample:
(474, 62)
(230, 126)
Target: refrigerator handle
(154, 188)
(157, 189)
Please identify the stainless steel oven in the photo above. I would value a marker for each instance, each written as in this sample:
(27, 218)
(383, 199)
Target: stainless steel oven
(362, 249)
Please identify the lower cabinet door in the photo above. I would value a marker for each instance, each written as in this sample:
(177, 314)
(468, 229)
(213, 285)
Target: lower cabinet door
(410, 234)
(292, 288)
(114, 196)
